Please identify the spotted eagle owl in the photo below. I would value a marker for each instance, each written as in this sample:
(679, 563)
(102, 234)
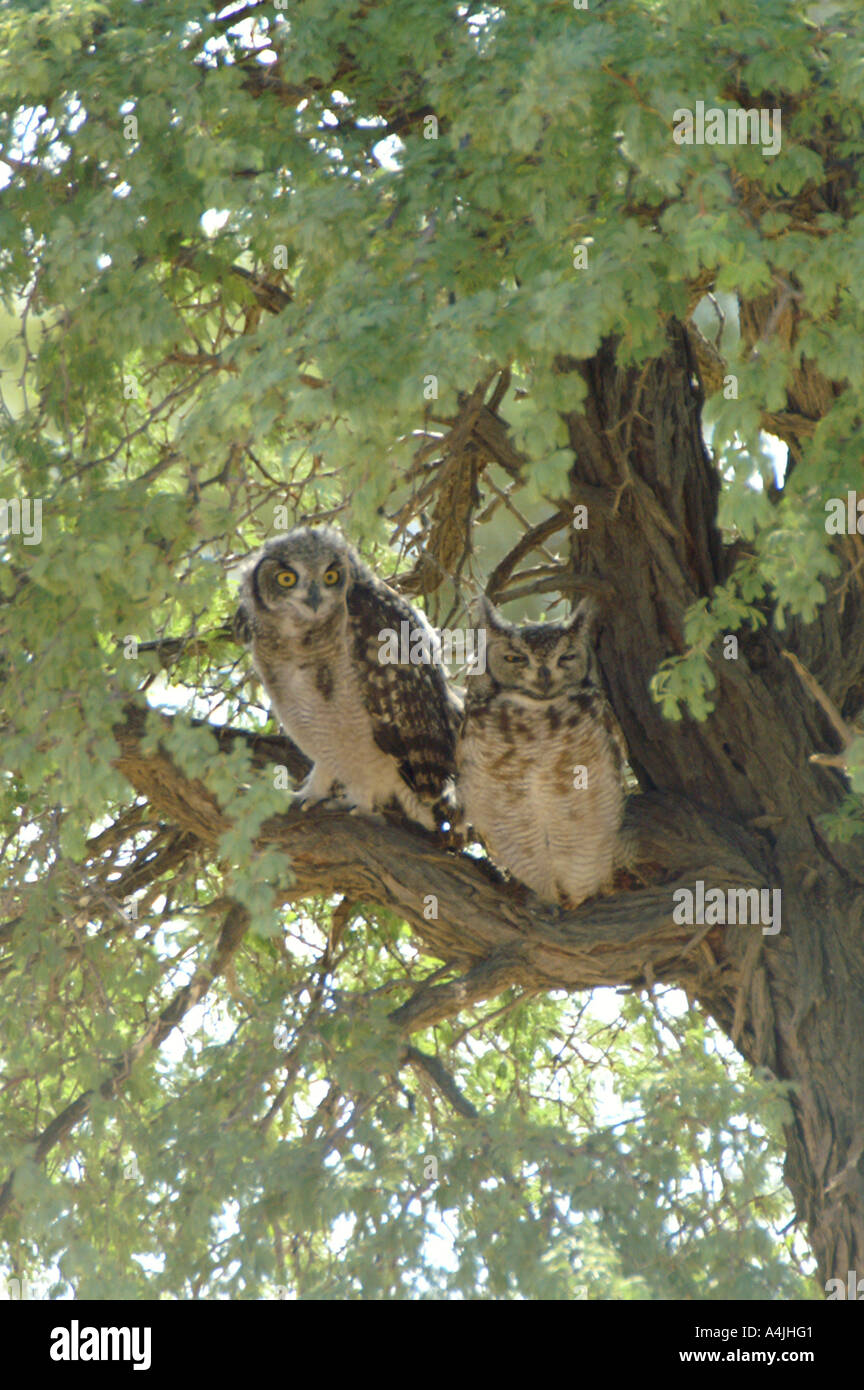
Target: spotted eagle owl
(540, 757)
(381, 733)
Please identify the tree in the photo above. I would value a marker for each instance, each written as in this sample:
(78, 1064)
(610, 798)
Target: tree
(461, 281)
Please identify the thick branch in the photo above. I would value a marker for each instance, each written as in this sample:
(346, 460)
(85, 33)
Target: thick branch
(465, 915)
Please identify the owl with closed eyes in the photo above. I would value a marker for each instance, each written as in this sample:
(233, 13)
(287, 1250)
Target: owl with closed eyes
(540, 757)
(380, 732)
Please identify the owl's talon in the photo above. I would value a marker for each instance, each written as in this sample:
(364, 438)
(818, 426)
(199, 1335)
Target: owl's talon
(325, 803)
(337, 803)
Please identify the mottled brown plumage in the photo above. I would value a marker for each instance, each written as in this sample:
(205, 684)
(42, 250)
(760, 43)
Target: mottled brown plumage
(540, 757)
(381, 734)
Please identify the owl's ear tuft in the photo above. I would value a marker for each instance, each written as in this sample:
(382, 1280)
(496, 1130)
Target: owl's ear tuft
(242, 626)
(583, 617)
(487, 613)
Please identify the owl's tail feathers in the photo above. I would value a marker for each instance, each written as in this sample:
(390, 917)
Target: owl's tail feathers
(449, 816)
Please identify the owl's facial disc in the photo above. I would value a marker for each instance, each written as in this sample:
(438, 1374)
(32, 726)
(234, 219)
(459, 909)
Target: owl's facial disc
(303, 593)
(539, 662)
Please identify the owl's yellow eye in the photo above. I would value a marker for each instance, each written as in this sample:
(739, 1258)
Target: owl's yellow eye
(286, 579)
(332, 575)
(515, 660)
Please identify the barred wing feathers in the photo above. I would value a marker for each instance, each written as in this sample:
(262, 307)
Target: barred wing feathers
(413, 712)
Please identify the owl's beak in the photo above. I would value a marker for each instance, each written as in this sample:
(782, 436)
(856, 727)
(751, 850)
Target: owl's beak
(544, 677)
(313, 598)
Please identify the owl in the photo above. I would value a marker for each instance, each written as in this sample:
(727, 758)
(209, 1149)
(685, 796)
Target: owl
(380, 732)
(540, 757)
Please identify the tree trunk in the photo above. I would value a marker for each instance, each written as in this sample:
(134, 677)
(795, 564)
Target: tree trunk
(651, 491)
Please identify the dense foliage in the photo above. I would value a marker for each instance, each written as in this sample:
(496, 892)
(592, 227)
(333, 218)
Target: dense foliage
(258, 265)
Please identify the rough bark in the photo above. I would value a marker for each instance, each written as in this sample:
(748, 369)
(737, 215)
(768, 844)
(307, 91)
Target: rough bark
(625, 938)
(640, 456)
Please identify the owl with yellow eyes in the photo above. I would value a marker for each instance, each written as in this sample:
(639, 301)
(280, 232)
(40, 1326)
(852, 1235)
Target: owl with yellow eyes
(380, 732)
